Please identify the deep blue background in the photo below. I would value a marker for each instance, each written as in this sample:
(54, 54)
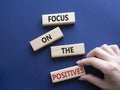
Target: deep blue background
(97, 22)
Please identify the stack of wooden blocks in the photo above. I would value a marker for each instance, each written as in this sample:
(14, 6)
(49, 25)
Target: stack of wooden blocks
(61, 50)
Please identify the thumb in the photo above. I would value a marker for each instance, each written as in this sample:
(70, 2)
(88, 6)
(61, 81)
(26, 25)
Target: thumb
(94, 80)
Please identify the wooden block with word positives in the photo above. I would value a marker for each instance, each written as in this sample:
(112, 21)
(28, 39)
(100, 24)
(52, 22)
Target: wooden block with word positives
(67, 50)
(67, 73)
(46, 39)
(58, 19)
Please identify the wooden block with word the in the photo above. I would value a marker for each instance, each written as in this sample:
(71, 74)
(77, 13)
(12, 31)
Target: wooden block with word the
(67, 73)
(58, 19)
(46, 39)
(67, 50)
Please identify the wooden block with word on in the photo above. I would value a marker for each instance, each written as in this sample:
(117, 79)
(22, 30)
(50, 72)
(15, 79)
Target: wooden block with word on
(46, 39)
(67, 73)
(67, 50)
(58, 19)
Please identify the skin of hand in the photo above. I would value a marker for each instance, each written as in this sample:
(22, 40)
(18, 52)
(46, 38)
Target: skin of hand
(107, 59)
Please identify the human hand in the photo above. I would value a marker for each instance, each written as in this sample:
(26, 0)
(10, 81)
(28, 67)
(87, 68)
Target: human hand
(107, 60)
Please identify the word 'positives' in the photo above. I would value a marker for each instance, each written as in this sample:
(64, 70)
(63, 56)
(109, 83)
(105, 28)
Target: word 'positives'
(67, 73)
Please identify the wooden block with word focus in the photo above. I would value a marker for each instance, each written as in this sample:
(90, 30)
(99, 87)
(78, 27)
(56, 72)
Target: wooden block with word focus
(67, 50)
(67, 73)
(58, 19)
(46, 39)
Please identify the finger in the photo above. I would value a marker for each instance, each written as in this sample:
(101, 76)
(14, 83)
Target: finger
(106, 48)
(115, 48)
(94, 80)
(99, 53)
(99, 64)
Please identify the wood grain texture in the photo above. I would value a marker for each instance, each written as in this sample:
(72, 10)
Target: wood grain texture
(67, 73)
(46, 39)
(67, 50)
(58, 19)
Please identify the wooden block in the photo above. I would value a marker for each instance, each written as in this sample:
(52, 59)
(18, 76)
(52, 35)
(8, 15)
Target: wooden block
(67, 73)
(58, 19)
(46, 39)
(67, 50)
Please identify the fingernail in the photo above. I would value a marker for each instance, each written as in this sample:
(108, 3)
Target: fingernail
(81, 78)
(77, 61)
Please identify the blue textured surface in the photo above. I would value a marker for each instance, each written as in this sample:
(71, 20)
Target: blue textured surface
(97, 22)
